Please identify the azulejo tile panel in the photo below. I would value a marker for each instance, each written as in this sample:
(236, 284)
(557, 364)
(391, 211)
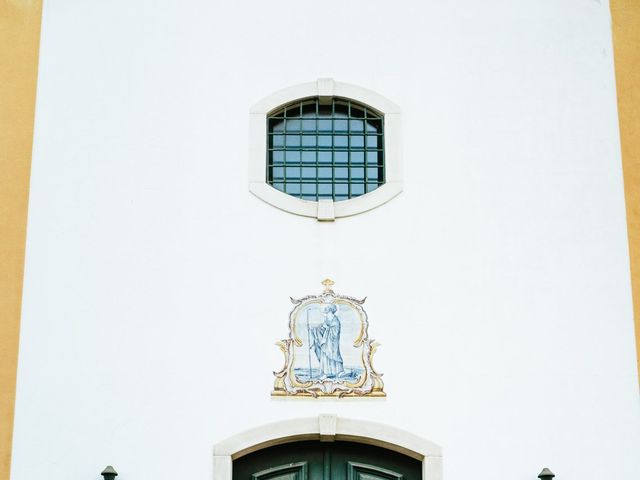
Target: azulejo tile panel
(328, 352)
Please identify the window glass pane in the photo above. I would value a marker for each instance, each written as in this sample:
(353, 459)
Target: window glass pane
(325, 189)
(277, 156)
(279, 186)
(292, 111)
(324, 125)
(372, 141)
(341, 157)
(341, 141)
(374, 126)
(372, 174)
(308, 172)
(356, 173)
(357, 189)
(357, 141)
(293, 188)
(308, 125)
(325, 110)
(357, 157)
(276, 125)
(277, 140)
(325, 173)
(309, 141)
(293, 173)
(324, 141)
(309, 189)
(292, 156)
(342, 173)
(357, 112)
(372, 157)
(341, 110)
(293, 140)
(341, 189)
(324, 157)
(309, 157)
(293, 125)
(309, 109)
(341, 125)
(278, 173)
(357, 125)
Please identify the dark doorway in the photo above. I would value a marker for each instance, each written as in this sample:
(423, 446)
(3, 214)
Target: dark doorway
(326, 461)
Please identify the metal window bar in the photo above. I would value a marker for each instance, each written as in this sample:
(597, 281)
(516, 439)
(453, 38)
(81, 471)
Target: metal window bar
(325, 151)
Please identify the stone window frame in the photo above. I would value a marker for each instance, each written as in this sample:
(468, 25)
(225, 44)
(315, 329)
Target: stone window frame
(325, 210)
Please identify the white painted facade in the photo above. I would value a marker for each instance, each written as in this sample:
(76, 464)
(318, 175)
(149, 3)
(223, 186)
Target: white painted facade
(497, 282)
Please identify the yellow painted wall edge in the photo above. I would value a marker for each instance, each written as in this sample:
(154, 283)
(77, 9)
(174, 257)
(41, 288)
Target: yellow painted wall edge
(19, 45)
(625, 18)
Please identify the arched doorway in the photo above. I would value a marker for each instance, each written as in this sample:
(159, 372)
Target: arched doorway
(344, 438)
(315, 460)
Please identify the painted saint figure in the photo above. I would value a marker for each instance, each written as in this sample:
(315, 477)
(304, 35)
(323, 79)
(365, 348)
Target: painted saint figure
(325, 342)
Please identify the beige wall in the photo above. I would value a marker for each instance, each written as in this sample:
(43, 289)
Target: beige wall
(626, 42)
(19, 42)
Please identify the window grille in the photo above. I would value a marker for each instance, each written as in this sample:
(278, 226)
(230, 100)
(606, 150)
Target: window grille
(325, 151)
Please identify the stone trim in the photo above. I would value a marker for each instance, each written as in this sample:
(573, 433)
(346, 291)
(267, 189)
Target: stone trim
(327, 427)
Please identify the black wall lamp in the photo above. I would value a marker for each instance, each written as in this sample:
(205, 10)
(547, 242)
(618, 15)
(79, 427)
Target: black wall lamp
(546, 474)
(109, 473)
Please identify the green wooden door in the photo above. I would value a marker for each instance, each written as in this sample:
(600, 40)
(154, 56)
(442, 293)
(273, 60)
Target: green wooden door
(326, 461)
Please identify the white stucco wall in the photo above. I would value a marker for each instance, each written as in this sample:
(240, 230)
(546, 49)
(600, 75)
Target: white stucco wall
(497, 282)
